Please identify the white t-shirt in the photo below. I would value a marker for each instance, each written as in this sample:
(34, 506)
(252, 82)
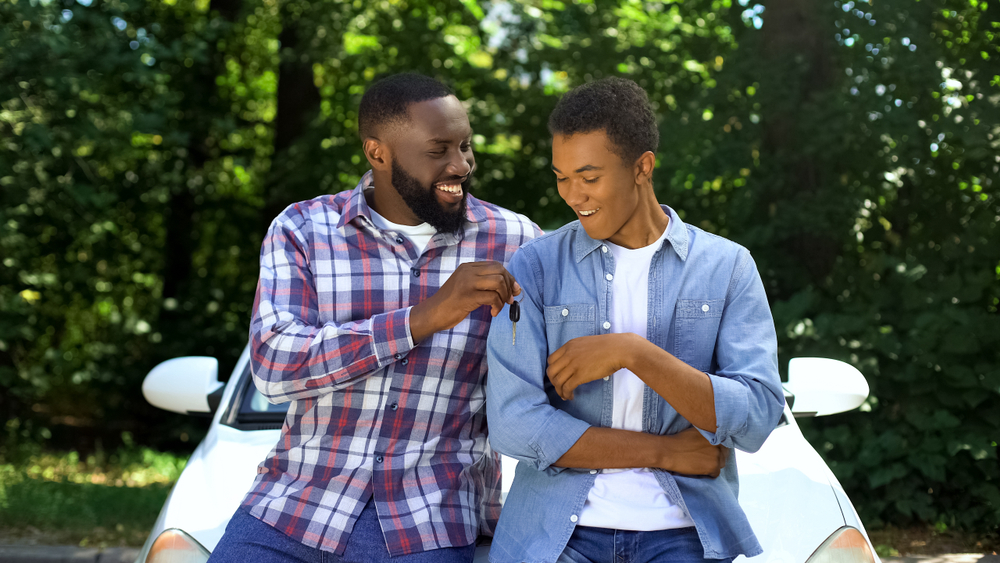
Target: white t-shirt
(420, 235)
(630, 499)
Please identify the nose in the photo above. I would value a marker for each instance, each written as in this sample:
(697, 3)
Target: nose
(571, 194)
(460, 164)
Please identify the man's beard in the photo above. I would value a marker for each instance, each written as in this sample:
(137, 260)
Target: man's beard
(424, 203)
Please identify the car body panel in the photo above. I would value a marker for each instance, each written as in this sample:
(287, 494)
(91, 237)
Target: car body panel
(774, 483)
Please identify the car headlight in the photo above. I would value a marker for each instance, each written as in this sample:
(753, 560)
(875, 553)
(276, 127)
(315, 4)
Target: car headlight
(846, 545)
(176, 546)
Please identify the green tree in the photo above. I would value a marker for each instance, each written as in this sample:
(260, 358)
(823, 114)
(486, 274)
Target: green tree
(851, 146)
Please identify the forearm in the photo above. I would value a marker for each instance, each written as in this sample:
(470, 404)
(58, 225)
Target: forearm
(688, 390)
(612, 448)
(292, 359)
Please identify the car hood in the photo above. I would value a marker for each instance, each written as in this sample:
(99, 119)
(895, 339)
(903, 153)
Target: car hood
(788, 494)
(787, 491)
(217, 477)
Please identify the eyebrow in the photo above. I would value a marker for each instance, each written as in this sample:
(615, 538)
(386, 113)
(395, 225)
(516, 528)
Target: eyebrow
(441, 141)
(586, 168)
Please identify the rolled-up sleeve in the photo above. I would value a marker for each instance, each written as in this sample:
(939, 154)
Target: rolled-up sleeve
(293, 355)
(747, 387)
(522, 422)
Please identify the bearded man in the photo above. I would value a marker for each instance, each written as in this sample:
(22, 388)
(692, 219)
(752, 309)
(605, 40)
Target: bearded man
(371, 317)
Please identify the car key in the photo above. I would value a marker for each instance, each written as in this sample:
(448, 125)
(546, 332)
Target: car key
(515, 315)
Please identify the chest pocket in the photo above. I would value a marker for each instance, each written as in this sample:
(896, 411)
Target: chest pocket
(566, 322)
(696, 328)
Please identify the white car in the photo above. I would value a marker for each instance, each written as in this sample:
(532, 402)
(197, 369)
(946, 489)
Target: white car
(796, 506)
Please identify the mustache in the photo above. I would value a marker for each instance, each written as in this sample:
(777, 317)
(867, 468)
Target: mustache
(459, 179)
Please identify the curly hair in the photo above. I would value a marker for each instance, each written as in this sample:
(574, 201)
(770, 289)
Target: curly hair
(386, 101)
(618, 106)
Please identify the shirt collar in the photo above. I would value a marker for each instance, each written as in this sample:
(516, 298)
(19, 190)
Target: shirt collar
(677, 236)
(357, 205)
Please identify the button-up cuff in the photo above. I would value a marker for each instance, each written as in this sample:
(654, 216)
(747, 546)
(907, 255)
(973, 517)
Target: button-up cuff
(555, 437)
(732, 409)
(391, 335)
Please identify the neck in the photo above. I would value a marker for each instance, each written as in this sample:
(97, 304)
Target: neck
(387, 202)
(646, 225)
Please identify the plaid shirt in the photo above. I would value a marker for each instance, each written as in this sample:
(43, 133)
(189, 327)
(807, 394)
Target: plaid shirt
(371, 412)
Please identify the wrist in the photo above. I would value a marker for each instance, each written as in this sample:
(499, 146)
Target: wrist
(631, 352)
(665, 454)
(423, 320)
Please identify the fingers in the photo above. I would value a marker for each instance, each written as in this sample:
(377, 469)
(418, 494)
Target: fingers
(561, 377)
(496, 283)
(504, 281)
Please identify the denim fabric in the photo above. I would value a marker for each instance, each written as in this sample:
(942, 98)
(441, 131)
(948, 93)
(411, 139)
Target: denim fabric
(706, 306)
(601, 545)
(249, 539)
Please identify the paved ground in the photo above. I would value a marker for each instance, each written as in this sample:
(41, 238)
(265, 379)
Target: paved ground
(66, 554)
(70, 554)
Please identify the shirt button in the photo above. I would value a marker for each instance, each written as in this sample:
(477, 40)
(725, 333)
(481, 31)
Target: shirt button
(594, 471)
(573, 518)
(394, 406)
(398, 356)
(405, 361)
(416, 272)
(604, 248)
(609, 277)
(607, 377)
(399, 240)
(607, 325)
(378, 459)
(704, 307)
(565, 312)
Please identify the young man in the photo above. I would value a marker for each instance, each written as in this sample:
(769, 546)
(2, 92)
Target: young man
(370, 319)
(643, 346)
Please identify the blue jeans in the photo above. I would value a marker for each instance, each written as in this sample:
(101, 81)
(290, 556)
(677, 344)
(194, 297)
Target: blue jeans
(248, 539)
(602, 545)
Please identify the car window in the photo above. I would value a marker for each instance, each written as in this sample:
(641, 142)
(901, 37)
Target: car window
(249, 410)
(256, 403)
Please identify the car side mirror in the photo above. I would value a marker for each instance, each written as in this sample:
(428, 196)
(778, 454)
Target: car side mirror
(822, 386)
(188, 385)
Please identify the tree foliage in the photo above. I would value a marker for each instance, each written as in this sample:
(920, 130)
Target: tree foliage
(852, 146)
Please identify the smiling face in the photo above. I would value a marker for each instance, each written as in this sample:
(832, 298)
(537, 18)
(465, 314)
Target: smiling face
(613, 200)
(423, 165)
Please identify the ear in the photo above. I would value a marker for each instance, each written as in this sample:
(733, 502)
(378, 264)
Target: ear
(377, 153)
(644, 166)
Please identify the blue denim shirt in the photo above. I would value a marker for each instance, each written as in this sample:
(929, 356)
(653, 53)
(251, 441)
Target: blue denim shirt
(706, 306)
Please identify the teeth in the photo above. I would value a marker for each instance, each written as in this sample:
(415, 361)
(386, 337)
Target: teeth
(451, 188)
(590, 212)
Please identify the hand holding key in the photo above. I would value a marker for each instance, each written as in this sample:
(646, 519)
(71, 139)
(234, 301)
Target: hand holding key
(471, 286)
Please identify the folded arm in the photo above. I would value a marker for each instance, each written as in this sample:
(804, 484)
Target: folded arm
(524, 424)
(293, 355)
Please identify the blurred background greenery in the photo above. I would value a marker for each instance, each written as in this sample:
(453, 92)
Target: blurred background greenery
(853, 146)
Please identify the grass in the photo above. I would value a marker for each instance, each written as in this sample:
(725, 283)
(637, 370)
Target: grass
(100, 500)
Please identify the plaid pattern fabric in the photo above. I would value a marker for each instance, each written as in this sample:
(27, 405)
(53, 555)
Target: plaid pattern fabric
(371, 412)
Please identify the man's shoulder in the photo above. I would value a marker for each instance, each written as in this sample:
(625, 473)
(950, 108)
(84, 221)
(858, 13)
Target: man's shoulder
(324, 210)
(704, 244)
(565, 235)
(500, 219)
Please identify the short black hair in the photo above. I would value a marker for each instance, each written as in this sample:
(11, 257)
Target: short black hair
(386, 101)
(618, 106)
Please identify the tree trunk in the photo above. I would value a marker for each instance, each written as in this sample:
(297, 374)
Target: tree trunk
(796, 47)
(298, 103)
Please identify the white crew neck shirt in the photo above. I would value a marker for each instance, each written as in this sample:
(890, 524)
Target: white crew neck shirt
(630, 499)
(420, 235)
